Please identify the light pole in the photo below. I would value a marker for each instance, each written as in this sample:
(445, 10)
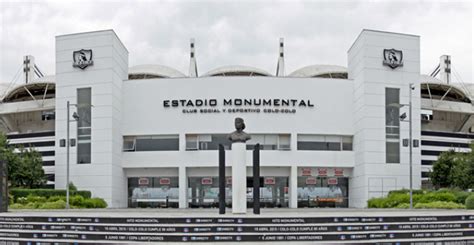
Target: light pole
(68, 144)
(410, 138)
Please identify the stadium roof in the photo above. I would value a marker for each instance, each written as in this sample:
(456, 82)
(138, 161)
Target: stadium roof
(153, 71)
(237, 70)
(329, 71)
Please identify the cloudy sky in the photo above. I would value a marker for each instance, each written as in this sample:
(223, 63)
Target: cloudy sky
(235, 32)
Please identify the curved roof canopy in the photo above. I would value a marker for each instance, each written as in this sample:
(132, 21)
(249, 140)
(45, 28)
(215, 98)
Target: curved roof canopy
(433, 88)
(237, 70)
(41, 88)
(152, 71)
(325, 71)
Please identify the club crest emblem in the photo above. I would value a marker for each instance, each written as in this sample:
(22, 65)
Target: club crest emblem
(392, 58)
(82, 58)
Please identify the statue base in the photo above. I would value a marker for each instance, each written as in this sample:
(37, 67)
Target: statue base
(239, 178)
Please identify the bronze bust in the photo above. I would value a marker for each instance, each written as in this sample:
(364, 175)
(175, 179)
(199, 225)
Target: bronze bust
(239, 135)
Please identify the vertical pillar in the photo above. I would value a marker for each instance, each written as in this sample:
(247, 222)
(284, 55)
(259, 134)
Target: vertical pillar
(293, 186)
(221, 179)
(183, 187)
(256, 179)
(3, 187)
(239, 178)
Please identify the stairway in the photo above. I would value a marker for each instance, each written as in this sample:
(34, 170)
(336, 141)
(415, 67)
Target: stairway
(26, 228)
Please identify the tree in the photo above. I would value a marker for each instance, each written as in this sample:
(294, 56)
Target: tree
(441, 173)
(25, 168)
(454, 169)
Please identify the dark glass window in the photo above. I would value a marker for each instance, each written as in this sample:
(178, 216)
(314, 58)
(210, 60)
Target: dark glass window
(392, 125)
(157, 143)
(84, 122)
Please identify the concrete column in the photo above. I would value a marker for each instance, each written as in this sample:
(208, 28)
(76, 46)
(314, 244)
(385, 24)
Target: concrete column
(183, 187)
(293, 186)
(239, 178)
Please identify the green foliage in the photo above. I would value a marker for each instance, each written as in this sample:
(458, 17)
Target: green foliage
(35, 199)
(454, 169)
(18, 192)
(441, 173)
(439, 205)
(28, 170)
(59, 204)
(16, 206)
(76, 201)
(95, 203)
(461, 196)
(401, 199)
(405, 191)
(403, 205)
(72, 187)
(437, 196)
(56, 198)
(470, 202)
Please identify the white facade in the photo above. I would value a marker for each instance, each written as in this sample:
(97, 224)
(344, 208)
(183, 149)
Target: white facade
(342, 107)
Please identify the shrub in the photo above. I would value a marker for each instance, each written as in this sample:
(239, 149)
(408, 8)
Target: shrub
(470, 202)
(403, 205)
(22, 200)
(16, 206)
(31, 205)
(405, 191)
(377, 203)
(438, 196)
(76, 200)
(18, 192)
(439, 205)
(35, 199)
(72, 187)
(397, 198)
(56, 198)
(94, 203)
(461, 196)
(59, 204)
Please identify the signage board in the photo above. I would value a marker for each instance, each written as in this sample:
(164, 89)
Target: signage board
(322, 171)
(338, 172)
(332, 181)
(269, 180)
(143, 181)
(206, 181)
(306, 172)
(311, 181)
(165, 181)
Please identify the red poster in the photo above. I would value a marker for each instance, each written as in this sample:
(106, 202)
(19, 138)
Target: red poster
(338, 172)
(206, 181)
(322, 171)
(269, 181)
(310, 181)
(165, 181)
(306, 172)
(332, 181)
(143, 181)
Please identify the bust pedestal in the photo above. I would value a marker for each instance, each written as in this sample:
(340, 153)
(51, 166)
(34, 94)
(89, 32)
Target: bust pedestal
(239, 178)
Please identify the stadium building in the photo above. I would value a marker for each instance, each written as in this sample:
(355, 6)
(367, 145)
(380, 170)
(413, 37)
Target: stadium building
(147, 135)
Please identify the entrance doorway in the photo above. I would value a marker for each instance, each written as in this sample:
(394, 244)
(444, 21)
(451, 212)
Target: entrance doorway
(203, 192)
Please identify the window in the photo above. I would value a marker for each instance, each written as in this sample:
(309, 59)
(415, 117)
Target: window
(270, 141)
(212, 142)
(392, 125)
(151, 143)
(128, 143)
(157, 143)
(84, 123)
(324, 143)
(192, 142)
